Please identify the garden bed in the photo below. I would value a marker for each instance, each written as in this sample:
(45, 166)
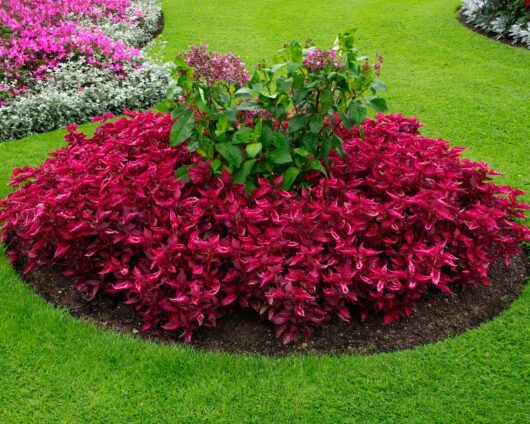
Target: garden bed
(491, 35)
(235, 201)
(504, 20)
(438, 316)
(69, 62)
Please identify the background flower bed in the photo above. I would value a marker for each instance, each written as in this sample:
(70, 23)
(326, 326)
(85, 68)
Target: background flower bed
(64, 62)
(506, 18)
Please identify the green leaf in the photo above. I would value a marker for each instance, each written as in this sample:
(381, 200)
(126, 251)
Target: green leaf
(220, 96)
(250, 185)
(338, 144)
(317, 166)
(246, 92)
(316, 124)
(222, 125)
(279, 140)
(277, 67)
(250, 106)
(258, 128)
(326, 100)
(310, 141)
(378, 103)
(356, 114)
(185, 82)
(230, 114)
(201, 104)
(301, 95)
(258, 87)
(241, 175)
(357, 111)
(347, 39)
(215, 165)
(297, 123)
(378, 85)
(280, 155)
(325, 146)
(165, 106)
(181, 63)
(296, 52)
(285, 84)
(183, 173)
(289, 177)
(231, 153)
(293, 67)
(300, 151)
(183, 128)
(267, 136)
(253, 149)
(243, 135)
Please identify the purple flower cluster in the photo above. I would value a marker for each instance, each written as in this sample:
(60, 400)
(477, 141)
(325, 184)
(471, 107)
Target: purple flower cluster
(213, 67)
(320, 59)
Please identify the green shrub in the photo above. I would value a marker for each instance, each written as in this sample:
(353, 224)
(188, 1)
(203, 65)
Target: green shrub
(279, 121)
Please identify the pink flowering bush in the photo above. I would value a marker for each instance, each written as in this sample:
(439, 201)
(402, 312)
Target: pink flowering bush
(399, 214)
(37, 36)
(68, 61)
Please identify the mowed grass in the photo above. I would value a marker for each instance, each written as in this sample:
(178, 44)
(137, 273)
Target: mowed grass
(466, 88)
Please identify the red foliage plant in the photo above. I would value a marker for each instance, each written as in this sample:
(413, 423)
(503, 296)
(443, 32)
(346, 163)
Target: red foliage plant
(398, 214)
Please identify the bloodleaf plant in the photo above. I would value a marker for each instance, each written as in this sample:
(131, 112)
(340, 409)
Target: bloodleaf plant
(277, 122)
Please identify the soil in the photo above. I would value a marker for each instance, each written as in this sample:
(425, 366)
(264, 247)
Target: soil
(491, 35)
(438, 316)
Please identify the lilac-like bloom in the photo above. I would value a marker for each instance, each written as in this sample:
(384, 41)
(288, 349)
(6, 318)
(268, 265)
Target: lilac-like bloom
(319, 59)
(213, 67)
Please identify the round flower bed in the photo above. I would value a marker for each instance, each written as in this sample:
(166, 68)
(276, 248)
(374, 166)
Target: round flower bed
(398, 214)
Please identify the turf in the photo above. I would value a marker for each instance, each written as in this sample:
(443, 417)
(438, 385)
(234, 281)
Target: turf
(465, 87)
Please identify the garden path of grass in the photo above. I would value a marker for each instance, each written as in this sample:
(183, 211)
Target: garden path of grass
(465, 87)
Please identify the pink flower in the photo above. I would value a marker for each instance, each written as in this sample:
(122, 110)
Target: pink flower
(319, 59)
(46, 33)
(212, 67)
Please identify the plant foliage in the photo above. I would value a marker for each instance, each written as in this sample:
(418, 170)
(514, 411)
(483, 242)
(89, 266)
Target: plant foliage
(279, 121)
(505, 18)
(398, 214)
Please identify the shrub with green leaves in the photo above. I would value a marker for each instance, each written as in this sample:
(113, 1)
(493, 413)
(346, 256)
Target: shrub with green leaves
(279, 121)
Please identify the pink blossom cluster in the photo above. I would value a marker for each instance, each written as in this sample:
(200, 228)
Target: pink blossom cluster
(320, 59)
(399, 214)
(36, 36)
(213, 67)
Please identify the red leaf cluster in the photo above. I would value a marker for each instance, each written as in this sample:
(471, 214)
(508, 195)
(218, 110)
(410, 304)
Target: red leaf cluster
(399, 214)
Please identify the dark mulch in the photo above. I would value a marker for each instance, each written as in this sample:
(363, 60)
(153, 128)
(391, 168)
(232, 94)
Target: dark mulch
(491, 35)
(437, 317)
(156, 32)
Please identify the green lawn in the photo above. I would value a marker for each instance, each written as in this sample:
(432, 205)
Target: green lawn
(467, 88)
